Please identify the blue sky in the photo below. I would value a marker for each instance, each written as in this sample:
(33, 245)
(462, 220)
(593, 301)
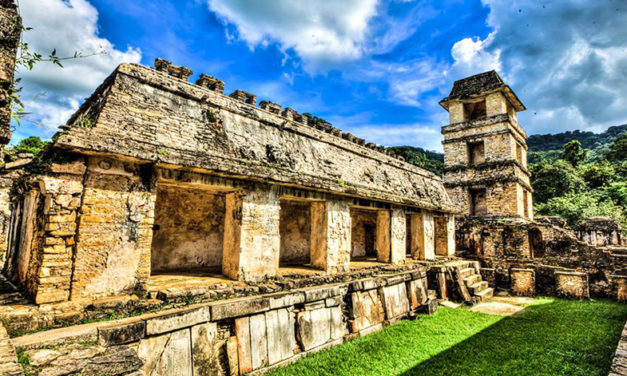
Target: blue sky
(372, 67)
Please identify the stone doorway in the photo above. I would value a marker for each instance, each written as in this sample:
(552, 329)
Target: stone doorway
(363, 234)
(295, 233)
(188, 231)
(478, 204)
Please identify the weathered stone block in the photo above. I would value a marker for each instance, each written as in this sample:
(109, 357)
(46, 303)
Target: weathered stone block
(395, 300)
(168, 354)
(317, 327)
(523, 282)
(177, 320)
(239, 307)
(286, 299)
(205, 349)
(572, 285)
(366, 310)
(117, 334)
(418, 292)
(320, 293)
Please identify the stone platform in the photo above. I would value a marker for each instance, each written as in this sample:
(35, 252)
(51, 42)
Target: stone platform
(178, 290)
(236, 335)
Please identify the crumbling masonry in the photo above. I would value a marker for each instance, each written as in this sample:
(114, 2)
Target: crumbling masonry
(154, 174)
(486, 175)
(170, 197)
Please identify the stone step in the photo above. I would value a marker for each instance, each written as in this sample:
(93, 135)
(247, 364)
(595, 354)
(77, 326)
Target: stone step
(485, 294)
(478, 287)
(467, 272)
(472, 279)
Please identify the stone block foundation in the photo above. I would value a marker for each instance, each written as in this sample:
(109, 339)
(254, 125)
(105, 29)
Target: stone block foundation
(231, 337)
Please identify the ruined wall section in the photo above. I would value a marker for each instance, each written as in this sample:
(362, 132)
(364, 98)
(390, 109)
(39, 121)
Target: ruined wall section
(114, 239)
(189, 226)
(250, 335)
(503, 245)
(43, 229)
(169, 121)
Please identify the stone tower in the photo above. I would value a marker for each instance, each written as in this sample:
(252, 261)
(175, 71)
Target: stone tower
(485, 149)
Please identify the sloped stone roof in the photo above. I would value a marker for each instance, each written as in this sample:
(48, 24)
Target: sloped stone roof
(476, 84)
(481, 83)
(153, 117)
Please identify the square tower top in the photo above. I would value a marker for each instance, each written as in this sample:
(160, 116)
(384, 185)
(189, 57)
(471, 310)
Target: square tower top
(480, 85)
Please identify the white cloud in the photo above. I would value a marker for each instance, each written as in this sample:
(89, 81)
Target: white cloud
(322, 33)
(566, 61)
(69, 26)
(471, 57)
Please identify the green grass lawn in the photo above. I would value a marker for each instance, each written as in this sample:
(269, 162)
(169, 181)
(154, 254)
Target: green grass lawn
(551, 337)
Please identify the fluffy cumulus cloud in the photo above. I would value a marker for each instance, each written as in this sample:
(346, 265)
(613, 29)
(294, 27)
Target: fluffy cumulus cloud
(69, 26)
(566, 60)
(322, 33)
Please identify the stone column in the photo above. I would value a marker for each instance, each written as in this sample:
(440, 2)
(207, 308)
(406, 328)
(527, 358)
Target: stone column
(445, 235)
(398, 239)
(383, 236)
(422, 236)
(330, 236)
(251, 234)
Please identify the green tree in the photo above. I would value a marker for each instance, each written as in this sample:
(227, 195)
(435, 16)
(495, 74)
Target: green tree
(575, 207)
(617, 191)
(33, 145)
(599, 174)
(574, 153)
(554, 179)
(618, 149)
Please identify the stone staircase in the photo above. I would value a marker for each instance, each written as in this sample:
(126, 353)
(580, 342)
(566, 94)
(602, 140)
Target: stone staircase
(477, 288)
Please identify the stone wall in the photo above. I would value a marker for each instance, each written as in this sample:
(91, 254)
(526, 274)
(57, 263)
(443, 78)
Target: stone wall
(189, 229)
(295, 232)
(43, 231)
(600, 231)
(115, 226)
(231, 337)
(539, 257)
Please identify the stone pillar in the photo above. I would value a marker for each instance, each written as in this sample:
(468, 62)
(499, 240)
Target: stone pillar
(398, 238)
(251, 234)
(383, 236)
(445, 235)
(10, 30)
(422, 236)
(496, 104)
(456, 112)
(330, 236)
(114, 232)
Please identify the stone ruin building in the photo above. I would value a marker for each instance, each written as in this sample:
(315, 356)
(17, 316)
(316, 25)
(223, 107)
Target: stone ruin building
(255, 234)
(197, 233)
(156, 175)
(486, 175)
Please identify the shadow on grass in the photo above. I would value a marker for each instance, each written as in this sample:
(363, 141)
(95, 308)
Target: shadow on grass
(558, 337)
